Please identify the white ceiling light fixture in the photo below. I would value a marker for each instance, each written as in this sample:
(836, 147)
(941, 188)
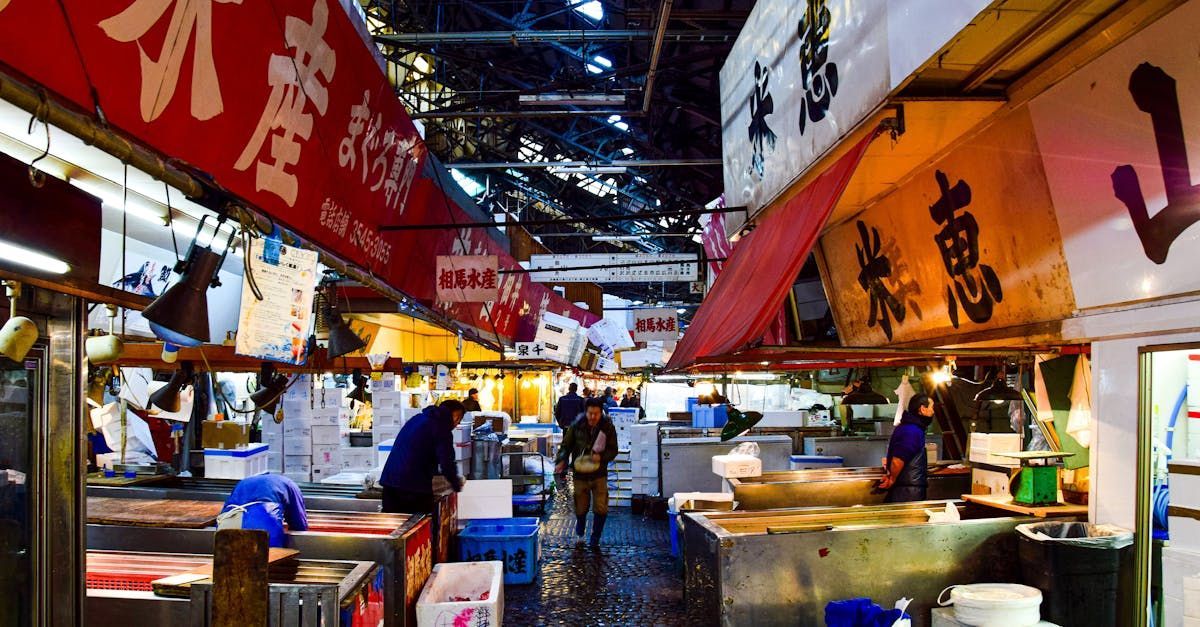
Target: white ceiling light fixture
(754, 376)
(617, 238)
(32, 259)
(592, 9)
(566, 98)
(589, 169)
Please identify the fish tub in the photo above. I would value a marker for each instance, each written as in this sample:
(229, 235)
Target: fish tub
(465, 593)
(837, 487)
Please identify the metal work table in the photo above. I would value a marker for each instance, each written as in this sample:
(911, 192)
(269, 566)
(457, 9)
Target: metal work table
(318, 496)
(400, 543)
(780, 567)
(836, 487)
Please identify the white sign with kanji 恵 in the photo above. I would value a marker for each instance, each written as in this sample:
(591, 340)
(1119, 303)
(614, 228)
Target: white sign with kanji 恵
(467, 278)
(655, 324)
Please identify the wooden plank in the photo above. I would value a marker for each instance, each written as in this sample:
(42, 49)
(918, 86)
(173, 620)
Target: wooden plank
(179, 584)
(240, 584)
(181, 514)
(98, 479)
(1005, 502)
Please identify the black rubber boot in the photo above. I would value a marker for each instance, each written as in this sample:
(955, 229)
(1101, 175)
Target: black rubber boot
(580, 526)
(597, 529)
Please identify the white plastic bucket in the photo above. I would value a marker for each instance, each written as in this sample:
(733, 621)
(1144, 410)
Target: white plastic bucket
(995, 604)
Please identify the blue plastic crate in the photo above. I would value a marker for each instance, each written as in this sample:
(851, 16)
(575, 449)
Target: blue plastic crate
(516, 545)
(520, 522)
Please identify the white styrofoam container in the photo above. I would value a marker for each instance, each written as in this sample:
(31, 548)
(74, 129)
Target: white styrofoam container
(1185, 530)
(462, 433)
(782, 419)
(642, 453)
(274, 462)
(297, 463)
(1185, 482)
(808, 462)
(383, 449)
(944, 617)
(645, 485)
(464, 467)
(327, 455)
(346, 477)
(297, 446)
(298, 477)
(326, 419)
(322, 472)
(735, 466)
(358, 458)
(470, 580)
(381, 433)
(326, 435)
(462, 451)
(984, 446)
(301, 428)
(989, 481)
(1191, 596)
(485, 498)
(647, 469)
(237, 463)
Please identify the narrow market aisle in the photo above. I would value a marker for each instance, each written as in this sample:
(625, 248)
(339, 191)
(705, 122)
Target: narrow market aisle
(632, 580)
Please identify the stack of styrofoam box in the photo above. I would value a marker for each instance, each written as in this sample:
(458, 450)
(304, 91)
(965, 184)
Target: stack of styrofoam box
(462, 448)
(643, 455)
(272, 436)
(563, 338)
(326, 443)
(358, 458)
(387, 408)
(985, 446)
(620, 480)
(623, 418)
(297, 446)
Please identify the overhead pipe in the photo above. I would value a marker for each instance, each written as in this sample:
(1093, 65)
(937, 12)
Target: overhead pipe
(627, 163)
(518, 37)
(660, 32)
(645, 215)
(592, 113)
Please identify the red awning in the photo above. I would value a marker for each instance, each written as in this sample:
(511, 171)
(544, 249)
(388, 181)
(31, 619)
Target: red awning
(757, 276)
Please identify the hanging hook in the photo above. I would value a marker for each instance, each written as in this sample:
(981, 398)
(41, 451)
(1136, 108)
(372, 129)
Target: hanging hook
(37, 178)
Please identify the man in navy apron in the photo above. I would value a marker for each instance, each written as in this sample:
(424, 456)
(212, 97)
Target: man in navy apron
(906, 467)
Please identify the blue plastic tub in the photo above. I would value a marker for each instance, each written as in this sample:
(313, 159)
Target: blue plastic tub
(516, 545)
(505, 521)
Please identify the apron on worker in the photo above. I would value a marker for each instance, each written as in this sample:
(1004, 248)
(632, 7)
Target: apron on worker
(264, 515)
(912, 481)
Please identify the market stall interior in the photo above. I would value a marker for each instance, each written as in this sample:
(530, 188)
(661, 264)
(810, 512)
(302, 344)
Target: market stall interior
(859, 313)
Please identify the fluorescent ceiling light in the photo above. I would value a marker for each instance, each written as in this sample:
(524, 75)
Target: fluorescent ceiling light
(671, 377)
(615, 120)
(32, 259)
(599, 65)
(681, 310)
(421, 65)
(561, 98)
(616, 238)
(753, 376)
(627, 151)
(594, 10)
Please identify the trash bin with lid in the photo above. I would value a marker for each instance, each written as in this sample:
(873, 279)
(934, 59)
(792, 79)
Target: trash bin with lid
(1077, 566)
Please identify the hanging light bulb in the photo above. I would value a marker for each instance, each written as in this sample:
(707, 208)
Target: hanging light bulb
(179, 316)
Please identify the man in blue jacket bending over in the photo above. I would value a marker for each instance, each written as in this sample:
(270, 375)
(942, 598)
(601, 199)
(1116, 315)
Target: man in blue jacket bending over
(268, 501)
(425, 443)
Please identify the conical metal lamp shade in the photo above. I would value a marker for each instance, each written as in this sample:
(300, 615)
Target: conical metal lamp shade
(265, 398)
(865, 395)
(342, 339)
(359, 393)
(998, 391)
(180, 314)
(166, 397)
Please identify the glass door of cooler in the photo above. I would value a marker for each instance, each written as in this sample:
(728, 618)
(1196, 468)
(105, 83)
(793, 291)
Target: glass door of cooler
(19, 418)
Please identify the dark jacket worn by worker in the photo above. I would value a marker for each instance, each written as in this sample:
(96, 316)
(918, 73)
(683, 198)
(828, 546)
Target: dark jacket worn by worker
(570, 405)
(578, 441)
(908, 445)
(472, 405)
(425, 443)
(269, 501)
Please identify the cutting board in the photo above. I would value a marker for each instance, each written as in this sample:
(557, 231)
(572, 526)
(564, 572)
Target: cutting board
(152, 512)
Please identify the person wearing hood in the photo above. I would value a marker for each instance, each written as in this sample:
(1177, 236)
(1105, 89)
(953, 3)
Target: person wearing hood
(905, 469)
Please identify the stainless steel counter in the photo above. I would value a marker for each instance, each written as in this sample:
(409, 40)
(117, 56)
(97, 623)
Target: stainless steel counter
(833, 487)
(317, 496)
(780, 567)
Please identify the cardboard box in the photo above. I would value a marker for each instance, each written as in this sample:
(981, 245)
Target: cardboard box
(735, 466)
(225, 434)
(297, 446)
(325, 434)
(327, 455)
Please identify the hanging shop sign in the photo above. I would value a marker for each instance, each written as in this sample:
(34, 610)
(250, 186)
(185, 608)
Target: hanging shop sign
(462, 279)
(968, 244)
(1115, 138)
(804, 73)
(276, 327)
(310, 130)
(614, 268)
(650, 325)
(530, 350)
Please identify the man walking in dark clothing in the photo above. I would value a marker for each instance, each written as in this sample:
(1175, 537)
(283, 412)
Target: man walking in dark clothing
(588, 446)
(570, 406)
(906, 468)
(425, 443)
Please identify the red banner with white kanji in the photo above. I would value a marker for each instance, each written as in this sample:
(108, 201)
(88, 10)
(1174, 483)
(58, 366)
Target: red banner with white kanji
(281, 102)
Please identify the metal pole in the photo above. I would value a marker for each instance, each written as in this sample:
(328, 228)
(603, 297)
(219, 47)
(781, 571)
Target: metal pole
(655, 51)
(626, 163)
(517, 37)
(441, 115)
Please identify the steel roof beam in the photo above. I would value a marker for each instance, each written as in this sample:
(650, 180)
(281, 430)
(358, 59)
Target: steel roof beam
(517, 37)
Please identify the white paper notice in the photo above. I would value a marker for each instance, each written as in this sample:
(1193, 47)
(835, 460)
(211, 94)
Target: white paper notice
(277, 327)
